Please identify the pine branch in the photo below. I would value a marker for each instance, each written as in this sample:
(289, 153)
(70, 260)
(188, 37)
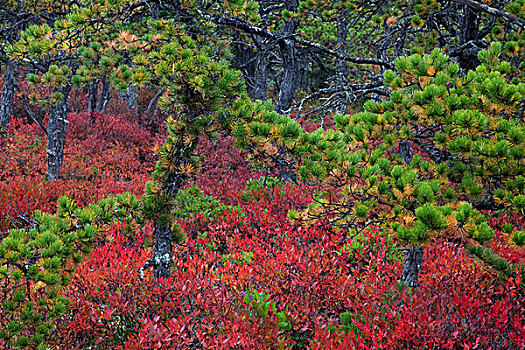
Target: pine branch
(30, 111)
(493, 11)
(248, 28)
(489, 257)
(154, 100)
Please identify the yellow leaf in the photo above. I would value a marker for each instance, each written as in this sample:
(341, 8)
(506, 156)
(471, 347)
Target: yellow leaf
(187, 169)
(408, 220)
(408, 190)
(187, 139)
(391, 21)
(451, 221)
(39, 285)
(335, 172)
(416, 109)
(373, 191)
(398, 194)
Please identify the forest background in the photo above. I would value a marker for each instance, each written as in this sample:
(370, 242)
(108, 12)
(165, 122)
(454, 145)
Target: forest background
(262, 174)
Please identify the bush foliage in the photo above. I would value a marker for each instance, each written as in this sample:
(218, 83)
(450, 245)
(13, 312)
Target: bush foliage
(248, 277)
(262, 231)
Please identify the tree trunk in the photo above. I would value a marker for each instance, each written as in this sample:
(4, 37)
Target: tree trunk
(289, 82)
(131, 97)
(155, 11)
(288, 86)
(162, 253)
(105, 95)
(470, 25)
(286, 167)
(93, 95)
(260, 75)
(468, 56)
(8, 94)
(56, 136)
(405, 151)
(245, 61)
(412, 266)
(342, 69)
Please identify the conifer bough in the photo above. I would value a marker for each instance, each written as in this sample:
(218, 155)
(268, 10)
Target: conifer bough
(470, 136)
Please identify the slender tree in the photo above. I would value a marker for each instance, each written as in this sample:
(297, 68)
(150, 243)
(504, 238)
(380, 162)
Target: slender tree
(8, 92)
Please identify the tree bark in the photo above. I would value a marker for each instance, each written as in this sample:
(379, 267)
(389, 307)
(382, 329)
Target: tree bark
(154, 100)
(244, 60)
(405, 151)
(342, 69)
(412, 266)
(382, 54)
(131, 97)
(105, 95)
(468, 56)
(247, 28)
(93, 95)
(479, 6)
(260, 74)
(290, 79)
(56, 136)
(8, 94)
(285, 167)
(162, 253)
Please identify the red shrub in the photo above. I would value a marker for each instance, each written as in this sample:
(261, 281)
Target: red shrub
(106, 157)
(251, 278)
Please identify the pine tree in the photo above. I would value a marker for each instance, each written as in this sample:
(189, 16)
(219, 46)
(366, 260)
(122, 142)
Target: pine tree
(37, 264)
(470, 136)
(467, 128)
(15, 17)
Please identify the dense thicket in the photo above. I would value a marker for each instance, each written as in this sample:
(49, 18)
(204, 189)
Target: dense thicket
(420, 141)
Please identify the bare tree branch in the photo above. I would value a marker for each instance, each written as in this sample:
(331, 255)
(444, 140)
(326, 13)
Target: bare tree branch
(248, 28)
(154, 100)
(30, 111)
(493, 11)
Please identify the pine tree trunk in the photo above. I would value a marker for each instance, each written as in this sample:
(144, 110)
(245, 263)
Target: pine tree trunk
(290, 80)
(245, 61)
(382, 53)
(131, 97)
(412, 266)
(93, 95)
(162, 253)
(405, 151)
(105, 95)
(468, 57)
(342, 69)
(288, 85)
(260, 75)
(8, 94)
(56, 136)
